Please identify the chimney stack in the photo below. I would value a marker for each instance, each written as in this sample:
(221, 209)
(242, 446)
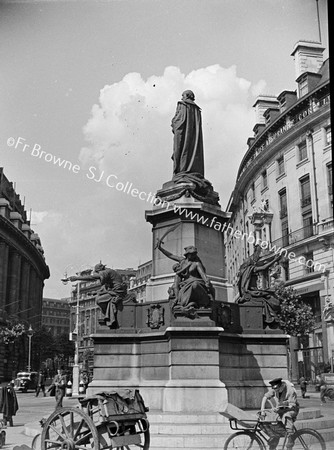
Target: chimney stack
(262, 103)
(308, 56)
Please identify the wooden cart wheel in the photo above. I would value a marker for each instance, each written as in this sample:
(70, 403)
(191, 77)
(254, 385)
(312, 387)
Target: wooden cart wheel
(69, 429)
(132, 435)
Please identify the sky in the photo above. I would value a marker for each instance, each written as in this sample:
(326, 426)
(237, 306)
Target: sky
(96, 83)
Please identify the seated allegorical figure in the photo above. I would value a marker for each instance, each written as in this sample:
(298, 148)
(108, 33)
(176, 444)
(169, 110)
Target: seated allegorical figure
(112, 293)
(192, 288)
(250, 292)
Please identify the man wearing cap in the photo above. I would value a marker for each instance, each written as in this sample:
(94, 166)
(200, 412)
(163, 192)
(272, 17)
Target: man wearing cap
(287, 407)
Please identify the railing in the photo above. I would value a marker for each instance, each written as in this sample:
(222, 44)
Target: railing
(295, 236)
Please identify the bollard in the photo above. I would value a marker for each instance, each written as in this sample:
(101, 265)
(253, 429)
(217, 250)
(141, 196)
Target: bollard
(81, 388)
(69, 389)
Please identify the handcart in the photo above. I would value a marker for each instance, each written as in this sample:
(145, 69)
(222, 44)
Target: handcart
(107, 420)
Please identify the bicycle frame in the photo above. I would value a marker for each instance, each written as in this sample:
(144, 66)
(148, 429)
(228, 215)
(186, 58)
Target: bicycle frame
(253, 427)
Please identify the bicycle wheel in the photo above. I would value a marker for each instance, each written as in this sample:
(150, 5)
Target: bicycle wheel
(308, 439)
(243, 440)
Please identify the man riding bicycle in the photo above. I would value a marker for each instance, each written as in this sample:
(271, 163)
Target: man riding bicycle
(287, 408)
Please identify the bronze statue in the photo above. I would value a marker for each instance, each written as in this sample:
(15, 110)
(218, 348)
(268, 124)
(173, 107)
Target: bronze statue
(188, 140)
(248, 287)
(192, 288)
(111, 295)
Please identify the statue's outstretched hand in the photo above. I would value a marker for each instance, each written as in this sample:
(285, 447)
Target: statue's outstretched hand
(72, 278)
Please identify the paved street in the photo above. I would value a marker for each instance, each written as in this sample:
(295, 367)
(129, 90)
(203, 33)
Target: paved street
(32, 409)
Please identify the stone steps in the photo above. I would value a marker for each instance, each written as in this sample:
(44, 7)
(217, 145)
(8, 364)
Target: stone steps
(210, 431)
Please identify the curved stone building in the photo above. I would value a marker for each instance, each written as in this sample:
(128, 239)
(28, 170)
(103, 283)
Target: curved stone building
(283, 196)
(22, 273)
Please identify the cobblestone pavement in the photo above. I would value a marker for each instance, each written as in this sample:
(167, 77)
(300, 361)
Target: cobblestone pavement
(32, 409)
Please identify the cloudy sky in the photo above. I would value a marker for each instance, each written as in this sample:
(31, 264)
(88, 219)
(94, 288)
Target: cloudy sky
(95, 83)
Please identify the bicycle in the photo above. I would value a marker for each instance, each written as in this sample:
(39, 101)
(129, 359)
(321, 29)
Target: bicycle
(255, 435)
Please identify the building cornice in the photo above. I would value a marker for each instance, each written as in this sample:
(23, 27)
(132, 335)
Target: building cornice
(279, 123)
(18, 241)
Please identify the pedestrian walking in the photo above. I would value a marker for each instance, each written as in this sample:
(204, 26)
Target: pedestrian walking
(59, 382)
(8, 403)
(303, 386)
(41, 384)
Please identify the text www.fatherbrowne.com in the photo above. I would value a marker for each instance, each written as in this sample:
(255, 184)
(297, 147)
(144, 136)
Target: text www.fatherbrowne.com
(250, 238)
(112, 182)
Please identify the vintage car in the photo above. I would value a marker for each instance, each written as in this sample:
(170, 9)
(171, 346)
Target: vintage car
(2, 433)
(327, 380)
(26, 381)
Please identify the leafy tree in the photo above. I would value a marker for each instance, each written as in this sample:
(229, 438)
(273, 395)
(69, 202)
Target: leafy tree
(295, 317)
(42, 346)
(64, 348)
(10, 332)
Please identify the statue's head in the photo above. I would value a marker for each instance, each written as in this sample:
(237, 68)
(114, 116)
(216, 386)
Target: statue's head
(188, 95)
(257, 253)
(99, 267)
(190, 251)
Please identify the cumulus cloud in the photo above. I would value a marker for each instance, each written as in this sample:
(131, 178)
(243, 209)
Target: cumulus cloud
(129, 134)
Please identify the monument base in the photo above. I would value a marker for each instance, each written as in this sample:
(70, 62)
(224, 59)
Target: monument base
(188, 369)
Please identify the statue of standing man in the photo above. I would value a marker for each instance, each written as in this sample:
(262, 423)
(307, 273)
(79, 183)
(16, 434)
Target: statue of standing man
(188, 139)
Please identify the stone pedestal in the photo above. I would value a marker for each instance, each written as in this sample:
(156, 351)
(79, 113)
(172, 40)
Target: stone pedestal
(196, 223)
(189, 368)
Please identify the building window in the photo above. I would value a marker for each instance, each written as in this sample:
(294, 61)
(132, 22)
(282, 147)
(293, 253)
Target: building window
(305, 191)
(330, 180)
(252, 192)
(302, 151)
(309, 264)
(285, 233)
(303, 86)
(280, 166)
(328, 136)
(264, 179)
(308, 224)
(283, 204)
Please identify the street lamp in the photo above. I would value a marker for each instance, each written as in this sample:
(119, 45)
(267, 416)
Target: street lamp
(30, 332)
(75, 371)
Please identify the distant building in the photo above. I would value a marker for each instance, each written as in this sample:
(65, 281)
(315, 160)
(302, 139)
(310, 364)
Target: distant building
(139, 281)
(22, 273)
(283, 195)
(56, 316)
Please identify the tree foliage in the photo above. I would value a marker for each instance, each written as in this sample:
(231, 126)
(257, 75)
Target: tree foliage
(64, 348)
(295, 317)
(10, 332)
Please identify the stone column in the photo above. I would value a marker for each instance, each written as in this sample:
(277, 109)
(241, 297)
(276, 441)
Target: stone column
(32, 293)
(24, 290)
(4, 250)
(14, 271)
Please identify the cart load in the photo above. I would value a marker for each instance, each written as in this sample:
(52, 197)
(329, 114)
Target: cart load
(107, 420)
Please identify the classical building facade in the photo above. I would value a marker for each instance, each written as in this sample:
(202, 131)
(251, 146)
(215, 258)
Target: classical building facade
(22, 273)
(283, 196)
(56, 316)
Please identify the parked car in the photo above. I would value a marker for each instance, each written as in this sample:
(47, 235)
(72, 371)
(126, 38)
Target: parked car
(326, 381)
(25, 381)
(2, 433)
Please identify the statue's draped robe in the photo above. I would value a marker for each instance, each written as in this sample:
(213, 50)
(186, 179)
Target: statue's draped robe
(249, 292)
(188, 139)
(111, 295)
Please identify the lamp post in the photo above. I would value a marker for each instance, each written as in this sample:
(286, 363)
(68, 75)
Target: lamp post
(75, 334)
(30, 332)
